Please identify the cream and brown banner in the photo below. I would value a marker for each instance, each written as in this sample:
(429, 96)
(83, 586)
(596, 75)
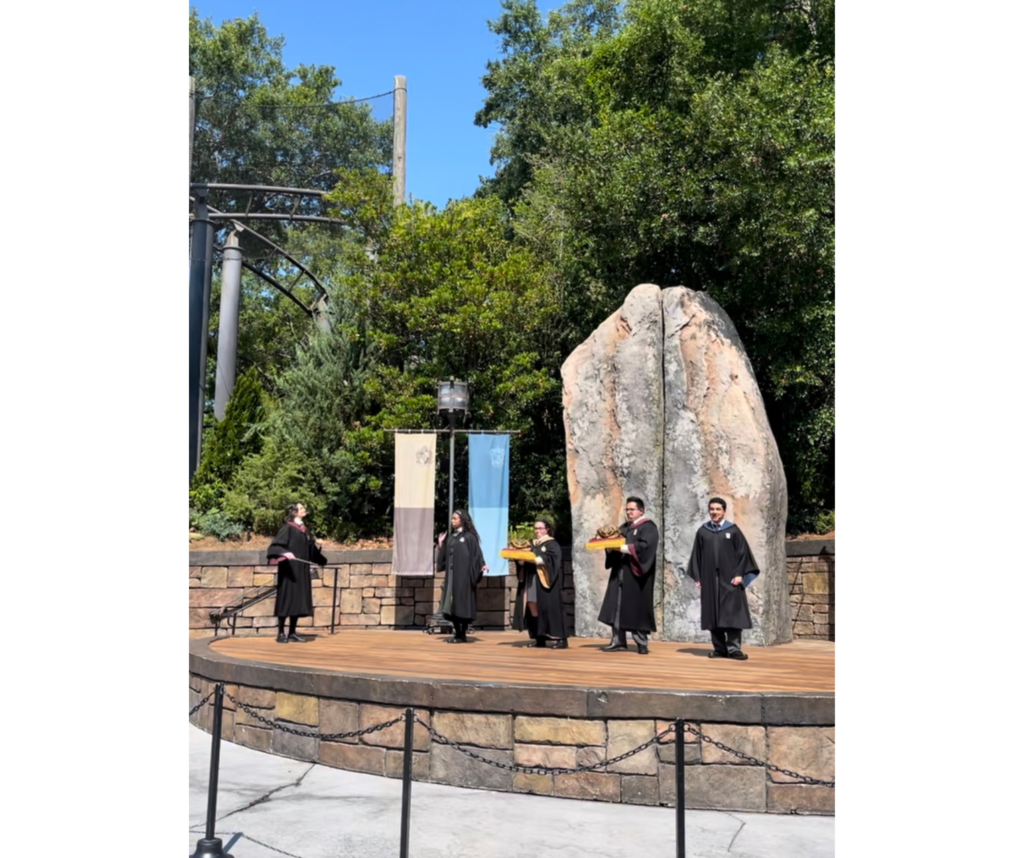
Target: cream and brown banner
(415, 467)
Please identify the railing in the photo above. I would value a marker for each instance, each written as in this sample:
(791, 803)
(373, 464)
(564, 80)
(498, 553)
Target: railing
(212, 847)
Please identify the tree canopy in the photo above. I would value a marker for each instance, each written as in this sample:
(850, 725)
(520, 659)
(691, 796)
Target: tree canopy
(648, 141)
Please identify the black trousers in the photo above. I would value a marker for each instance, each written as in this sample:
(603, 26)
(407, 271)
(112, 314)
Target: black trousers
(619, 633)
(726, 641)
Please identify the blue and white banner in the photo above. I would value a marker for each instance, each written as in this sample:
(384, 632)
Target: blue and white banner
(488, 496)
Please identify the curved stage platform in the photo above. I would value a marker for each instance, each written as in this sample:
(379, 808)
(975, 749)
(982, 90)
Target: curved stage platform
(531, 706)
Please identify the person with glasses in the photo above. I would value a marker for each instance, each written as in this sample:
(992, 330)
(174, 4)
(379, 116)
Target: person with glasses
(723, 567)
(629, 600)
(538, 607)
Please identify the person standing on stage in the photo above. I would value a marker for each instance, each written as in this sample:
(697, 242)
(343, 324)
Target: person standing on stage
(723, 567)
(463, 562)
(539, 595)
(629, 599)
(292, 551)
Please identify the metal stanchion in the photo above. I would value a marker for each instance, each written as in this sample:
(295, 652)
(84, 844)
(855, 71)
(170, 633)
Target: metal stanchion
(210, 846)
(406, 783)
(680, 791)
(334, 600)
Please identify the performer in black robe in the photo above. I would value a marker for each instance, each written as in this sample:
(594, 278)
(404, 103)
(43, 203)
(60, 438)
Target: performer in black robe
(538, 607)
(723, 567)
(629, 600)
(461, 559)
(293, 544)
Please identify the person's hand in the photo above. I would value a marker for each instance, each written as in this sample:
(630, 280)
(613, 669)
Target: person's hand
(697, 583)
(624, 549)
(539, 559)
(737, 580)
(440, 539)
(485, 568)
(288, 555)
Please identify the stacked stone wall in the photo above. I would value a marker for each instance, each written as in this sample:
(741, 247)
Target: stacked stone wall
(370, 596)
(714, 778)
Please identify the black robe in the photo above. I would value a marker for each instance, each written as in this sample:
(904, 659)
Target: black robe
(460, 557)
(550, 611)
(718, 557)
(638, 570)
(294, 581)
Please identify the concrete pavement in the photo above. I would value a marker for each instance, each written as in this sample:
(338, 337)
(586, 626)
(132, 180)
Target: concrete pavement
(287, 807)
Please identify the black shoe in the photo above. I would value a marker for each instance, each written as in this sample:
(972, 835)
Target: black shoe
(282, 638)
(296, 638)
(615, 647)
(739, 656)
(540, 643)
(561, 643)
(641, 649)
(716, 654)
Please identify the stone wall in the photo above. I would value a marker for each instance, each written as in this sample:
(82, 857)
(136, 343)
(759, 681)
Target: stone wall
(714, 779)
(812, 589)
(369, 596)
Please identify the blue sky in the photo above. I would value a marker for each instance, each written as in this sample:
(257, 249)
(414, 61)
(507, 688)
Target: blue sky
(441, 46)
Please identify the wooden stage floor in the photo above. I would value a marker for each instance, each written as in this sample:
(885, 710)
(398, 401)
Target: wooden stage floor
(806, 667)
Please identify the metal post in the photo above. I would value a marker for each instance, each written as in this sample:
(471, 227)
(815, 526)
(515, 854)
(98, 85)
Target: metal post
(451, 467)
(227, 338)
(334, 600)
(198, 322)
(210, 846)
(191, 121)
(406, 783)
(680, 791)
(398, 149)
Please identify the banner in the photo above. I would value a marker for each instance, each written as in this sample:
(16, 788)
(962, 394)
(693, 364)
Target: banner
(488, 496)
(415, 466)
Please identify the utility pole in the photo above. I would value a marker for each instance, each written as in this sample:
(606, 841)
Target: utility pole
(398, 150)
(191, 122)
(227, 338)
(200, 262)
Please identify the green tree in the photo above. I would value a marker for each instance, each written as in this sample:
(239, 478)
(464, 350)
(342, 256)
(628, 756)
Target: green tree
(446, 293)
(687, 144)
(308, 454)
(229, 442)
(261, 122)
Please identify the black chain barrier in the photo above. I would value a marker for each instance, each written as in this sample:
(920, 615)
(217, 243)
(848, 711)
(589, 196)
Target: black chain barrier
(563, 770)
(201, 703)
(772, 768)
(541, 770)
(515, 767)
(323, 737)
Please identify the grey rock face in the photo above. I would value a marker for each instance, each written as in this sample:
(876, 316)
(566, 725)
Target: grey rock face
(718, 442)
(613, 406)
(661, 402)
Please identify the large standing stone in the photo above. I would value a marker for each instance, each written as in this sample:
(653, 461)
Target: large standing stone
(613, 403)
(661, 402)
(718, 443)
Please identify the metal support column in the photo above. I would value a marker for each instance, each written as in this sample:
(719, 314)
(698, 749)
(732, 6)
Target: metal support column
(227, 338)
(200, 262)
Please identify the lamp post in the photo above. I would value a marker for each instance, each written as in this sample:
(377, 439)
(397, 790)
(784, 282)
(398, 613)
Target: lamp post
(453, 400)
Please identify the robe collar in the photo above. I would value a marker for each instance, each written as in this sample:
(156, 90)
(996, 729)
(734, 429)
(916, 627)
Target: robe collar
(715, 528)
(635, 523)
(301, 527)
(540, 540)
